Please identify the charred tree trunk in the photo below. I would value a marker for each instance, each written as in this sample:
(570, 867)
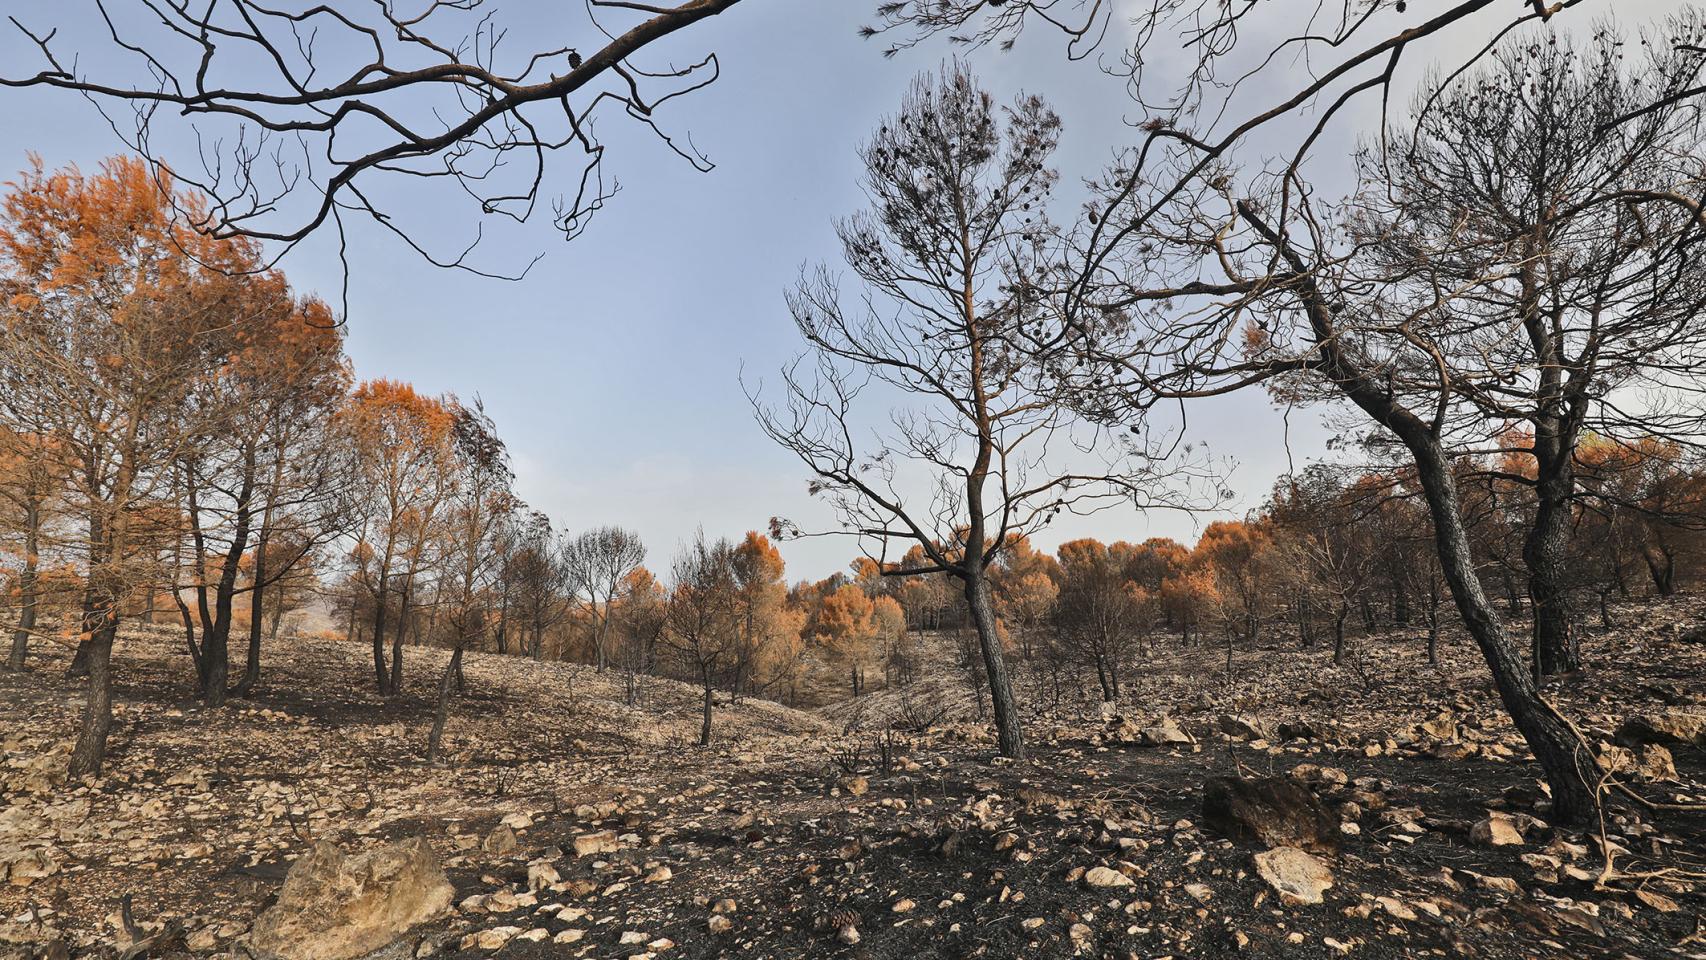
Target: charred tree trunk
(1433, 621)
(1339, 632)
(257, 615)
(27, 587)
(1557, 649)
(395, 687)
(1106, 682)
(381, 601)
(441, 713)
(100, 629)
(1400, 597)
(1565, 757)
(705, 721)
(1009, 736)
(1513, 599)
(1661, 566)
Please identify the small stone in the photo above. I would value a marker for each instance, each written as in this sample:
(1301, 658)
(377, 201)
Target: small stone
(489, 939)
(1296, 876)
(903, 906)
(660, 874)
(542, 875)
(499, 842)
(631, 937)
(1498, 830)
(1106, 877)
(1396, 908)
(591, 844)
(570, 935)
(1032, 923)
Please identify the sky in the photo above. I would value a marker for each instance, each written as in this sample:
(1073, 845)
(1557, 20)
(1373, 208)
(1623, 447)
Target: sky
(613, 370)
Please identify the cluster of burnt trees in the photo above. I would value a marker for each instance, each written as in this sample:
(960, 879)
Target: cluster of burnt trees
(1518, 257)
(182, 444)
(1506, 312)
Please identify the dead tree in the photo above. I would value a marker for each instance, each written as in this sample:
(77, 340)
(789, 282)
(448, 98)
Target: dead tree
(949, 321)
(599, 562)
(1430, 315)
(296, 117)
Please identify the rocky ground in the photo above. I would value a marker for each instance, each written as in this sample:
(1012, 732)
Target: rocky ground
(569, 825)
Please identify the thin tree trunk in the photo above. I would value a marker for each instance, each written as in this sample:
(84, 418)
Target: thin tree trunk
(1339, 632)
(380, 603)
(1433, 620)
(1009, 735)
(27, 587)
(396, 686)
(257, 613)
(442, 712)
(705, 723)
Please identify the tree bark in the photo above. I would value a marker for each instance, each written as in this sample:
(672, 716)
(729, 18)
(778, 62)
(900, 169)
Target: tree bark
(1557, 648)
(1563, 754)
(705, 723)
(1009, 735)
(1339, 632)
(257, 612)
(381, 600)
(27, 587)
(442, 712)
(216, 638)
(101, 624)
(395, 687)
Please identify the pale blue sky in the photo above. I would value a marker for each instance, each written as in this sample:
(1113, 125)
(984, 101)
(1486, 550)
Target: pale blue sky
(612, 370)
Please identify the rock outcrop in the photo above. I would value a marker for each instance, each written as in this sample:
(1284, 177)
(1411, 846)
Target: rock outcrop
(336, 906)
(1272, 811)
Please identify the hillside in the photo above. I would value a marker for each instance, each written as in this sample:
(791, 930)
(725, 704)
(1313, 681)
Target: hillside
(940, 852)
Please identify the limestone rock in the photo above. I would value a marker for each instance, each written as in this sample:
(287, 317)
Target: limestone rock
(500, 841)
(1240, 727)
(1497, 830)
(1106, 877)
(1272, 811)
(1296, 876)
(1165, 734)
(335, 906)
(1671, 727)
(590, 844)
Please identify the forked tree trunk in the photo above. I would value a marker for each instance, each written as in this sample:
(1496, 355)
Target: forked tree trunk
(80, 665)
(1009, 736)
(257, 614)
(1563, 754)
(395, 687)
